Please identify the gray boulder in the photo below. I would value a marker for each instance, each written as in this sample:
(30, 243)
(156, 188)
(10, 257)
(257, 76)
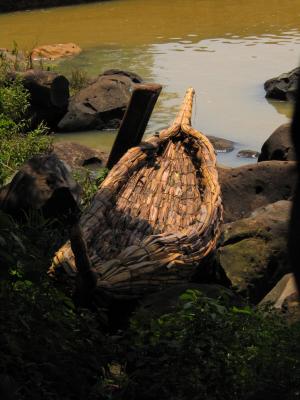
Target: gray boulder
(284, 86)
(249, 187)
(78, 156)
(100, 105)
(279, 145)
(254, 253)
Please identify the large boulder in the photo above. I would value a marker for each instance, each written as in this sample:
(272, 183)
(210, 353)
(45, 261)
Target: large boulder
(279, 145)
(49, 95)
(284, 86)
(55, 51)
(254, 253)
(101, 105)
(251, 186)
(78, 156)
(44, 183)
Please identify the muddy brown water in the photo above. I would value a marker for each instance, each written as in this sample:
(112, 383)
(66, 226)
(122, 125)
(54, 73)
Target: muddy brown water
(225, 49)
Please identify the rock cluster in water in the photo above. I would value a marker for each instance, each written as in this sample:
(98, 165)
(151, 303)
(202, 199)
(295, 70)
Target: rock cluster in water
(284, 86)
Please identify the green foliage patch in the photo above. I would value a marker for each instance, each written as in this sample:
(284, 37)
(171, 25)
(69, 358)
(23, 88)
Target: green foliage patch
(18, 142)
(210, 350)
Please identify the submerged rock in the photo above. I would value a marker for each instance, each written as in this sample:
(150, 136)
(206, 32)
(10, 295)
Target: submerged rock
(77, 155)
(43, 183)
(221, 145)
(55, 51)
(101, 105)
(279, 145)
(284, 86)
(248, 154)
(248, 187)
(254, 250)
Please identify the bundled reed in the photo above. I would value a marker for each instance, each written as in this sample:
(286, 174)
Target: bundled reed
(156, 215)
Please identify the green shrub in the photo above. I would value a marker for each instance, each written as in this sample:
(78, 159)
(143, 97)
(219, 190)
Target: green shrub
(14, 101)
(210, 350)
(17, 141)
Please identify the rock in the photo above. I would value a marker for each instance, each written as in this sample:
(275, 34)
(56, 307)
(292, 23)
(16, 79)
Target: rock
(248, 154)
(251, 186)
(55, 51)
(101, 105)
(166, 301)
(254, 250)
(49, 95)
(77, 156)
(221, 145)
(283, 289)
(279, 145)
(285, 297)
(133, 76)
(43, 183)
(284, 86)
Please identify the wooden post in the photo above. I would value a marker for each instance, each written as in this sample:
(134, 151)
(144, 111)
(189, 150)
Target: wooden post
(135, 120)
(86, 281)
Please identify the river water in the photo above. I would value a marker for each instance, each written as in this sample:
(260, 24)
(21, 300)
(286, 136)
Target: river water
(225, 49)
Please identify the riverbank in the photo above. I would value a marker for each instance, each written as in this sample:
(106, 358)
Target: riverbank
(10, 5)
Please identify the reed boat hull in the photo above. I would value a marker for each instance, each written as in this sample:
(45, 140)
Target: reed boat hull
(157, 214)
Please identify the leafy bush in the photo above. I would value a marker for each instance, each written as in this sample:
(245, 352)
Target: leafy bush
(213, 351)
(14, 100)
(17, 141)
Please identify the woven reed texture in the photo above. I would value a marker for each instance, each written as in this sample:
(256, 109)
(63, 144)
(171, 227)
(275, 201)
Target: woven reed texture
(156, 215)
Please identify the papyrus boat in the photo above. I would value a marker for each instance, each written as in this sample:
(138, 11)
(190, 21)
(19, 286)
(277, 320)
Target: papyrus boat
(156, 215)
